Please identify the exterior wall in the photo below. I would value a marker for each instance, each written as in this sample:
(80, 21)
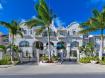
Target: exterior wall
(67, 35)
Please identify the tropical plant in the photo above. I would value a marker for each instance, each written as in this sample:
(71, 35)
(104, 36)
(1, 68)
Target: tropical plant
(43, 20)
(3, 48)
(88, 49)
(14, 29)
(5, 60)
(96, 22)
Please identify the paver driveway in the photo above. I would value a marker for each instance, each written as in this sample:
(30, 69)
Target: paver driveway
(54, 71)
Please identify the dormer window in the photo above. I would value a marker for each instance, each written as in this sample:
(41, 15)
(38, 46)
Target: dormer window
(25, 32)
(62, 33)
(24, 44)
(68, 33)
(45, 34)
(30, 31)
(74, 32)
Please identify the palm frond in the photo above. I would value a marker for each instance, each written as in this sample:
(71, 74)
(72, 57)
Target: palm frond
(86, 31)
(20, 33)
(36, 6)
(14, 23)
(96, 13)
(44, 5)
(44, 15)
(84, 25)
(103, 14)
(5, 24)
(34, 23)
(40, 30)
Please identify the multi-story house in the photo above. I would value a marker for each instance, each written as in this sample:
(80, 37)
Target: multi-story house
(66, 39)
(61, 39)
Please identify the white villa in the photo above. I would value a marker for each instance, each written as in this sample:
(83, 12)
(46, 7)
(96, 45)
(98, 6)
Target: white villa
(68, 37)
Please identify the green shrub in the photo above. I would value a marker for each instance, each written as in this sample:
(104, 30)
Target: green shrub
(54, 58)
(85, 60)
(89, 59)
(44, 58)
(5, 60)
(103, 58)
(95, 58)
(102, 61)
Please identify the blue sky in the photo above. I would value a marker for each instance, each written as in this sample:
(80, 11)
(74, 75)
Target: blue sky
(67, 11)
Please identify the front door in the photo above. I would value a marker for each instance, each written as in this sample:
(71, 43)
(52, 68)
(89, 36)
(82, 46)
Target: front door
(73, 55)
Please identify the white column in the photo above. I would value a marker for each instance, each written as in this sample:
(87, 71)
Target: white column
(55, 46)
(68, 51)
(78, 55)
(21, 58)
(44, 47)
(37, 55)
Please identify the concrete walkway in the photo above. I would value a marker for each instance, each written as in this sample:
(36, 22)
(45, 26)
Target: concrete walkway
(54, 71)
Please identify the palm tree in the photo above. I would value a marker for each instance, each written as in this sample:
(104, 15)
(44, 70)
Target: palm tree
(96, 22)
(3, 48)
(43, 20)
(14, 29)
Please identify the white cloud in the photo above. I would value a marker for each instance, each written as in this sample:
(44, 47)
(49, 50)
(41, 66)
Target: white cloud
(1, 7)
(58, 22)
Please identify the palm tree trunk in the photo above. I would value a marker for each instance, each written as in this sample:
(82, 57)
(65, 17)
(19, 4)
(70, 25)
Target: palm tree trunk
(37, 55)
(101, 46)
(12, 49)
(49, 44)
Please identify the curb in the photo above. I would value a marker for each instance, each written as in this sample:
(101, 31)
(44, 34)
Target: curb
(6, 66)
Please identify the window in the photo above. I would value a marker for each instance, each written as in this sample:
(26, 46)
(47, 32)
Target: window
(74, 44)
(68, 33)
(30, 31)
(74, 32)
(62, 33)
(25, 32)
(85, 36)
(61, 45)
(24, 44)
(54, 33)
(45, 34)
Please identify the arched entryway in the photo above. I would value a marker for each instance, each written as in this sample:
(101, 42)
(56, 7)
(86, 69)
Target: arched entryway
(61, 47)
(25, 45)
(52, 49)
(74, 47)
(38, 48)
